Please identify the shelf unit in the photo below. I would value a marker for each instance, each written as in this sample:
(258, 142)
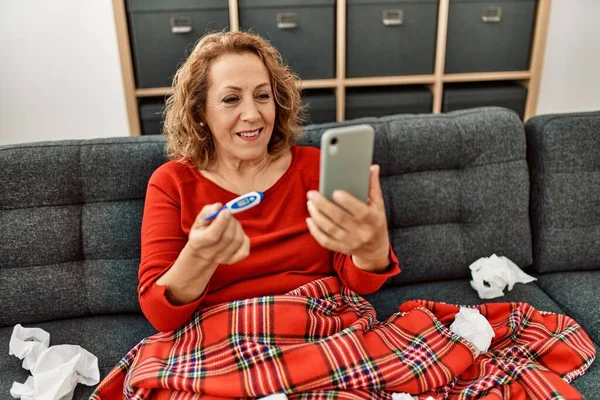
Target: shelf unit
(435, 82)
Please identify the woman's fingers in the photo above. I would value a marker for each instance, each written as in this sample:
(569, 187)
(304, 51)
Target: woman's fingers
(375, 192)
(360, 211)
(205, 212)
(325, 240)
(230, 243)
(325, 224)
(221, 240)
(218, 226)
(242, 252)
(328, 209)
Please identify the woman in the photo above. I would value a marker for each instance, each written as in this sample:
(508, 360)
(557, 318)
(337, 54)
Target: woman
(230, 126)
(264, 302)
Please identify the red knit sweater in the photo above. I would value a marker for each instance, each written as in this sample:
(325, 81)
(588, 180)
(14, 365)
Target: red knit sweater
(283, 254)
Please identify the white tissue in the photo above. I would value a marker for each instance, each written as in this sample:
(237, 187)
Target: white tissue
(276, 396)
(473, 327)
(28, 344)
(406, 396)
(402, 396)
(55, 370)
(497, 272)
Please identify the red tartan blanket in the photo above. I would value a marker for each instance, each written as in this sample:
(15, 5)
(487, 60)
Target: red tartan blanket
(322, 341)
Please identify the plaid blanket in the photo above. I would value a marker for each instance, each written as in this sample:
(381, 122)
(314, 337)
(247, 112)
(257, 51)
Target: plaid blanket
(323, 341)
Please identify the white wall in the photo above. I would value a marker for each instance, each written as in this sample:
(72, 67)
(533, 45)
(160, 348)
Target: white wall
(571, 74)
(60, 75)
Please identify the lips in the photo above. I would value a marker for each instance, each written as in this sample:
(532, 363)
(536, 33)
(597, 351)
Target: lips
(250, 135)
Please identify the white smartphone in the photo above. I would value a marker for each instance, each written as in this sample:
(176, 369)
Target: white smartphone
(346, 156)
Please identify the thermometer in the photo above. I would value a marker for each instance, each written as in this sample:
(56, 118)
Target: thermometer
(239, 204)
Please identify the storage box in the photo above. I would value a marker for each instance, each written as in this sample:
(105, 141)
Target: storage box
(163, 34)
(151, 116)
(387, 100)
(486, 36)
(302, 30)
(469, 95)
(321, 105)
(390, 37)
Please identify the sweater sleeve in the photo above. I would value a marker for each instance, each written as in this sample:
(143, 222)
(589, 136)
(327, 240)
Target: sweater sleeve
(162, 239)
(359, 280)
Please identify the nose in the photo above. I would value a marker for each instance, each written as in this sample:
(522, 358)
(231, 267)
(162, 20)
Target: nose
(249, 111)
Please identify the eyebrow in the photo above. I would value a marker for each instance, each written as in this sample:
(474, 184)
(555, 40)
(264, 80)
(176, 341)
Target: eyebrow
(239, 88)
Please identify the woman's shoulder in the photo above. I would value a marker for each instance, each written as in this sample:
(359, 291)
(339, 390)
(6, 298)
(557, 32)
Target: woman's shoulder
(307, 155)
(306, 164)
(173, 172)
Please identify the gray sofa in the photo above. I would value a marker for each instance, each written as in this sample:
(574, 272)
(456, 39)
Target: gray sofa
(458, 187)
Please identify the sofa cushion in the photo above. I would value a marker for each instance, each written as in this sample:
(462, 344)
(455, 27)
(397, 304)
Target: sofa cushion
(387, 301)
(107, 337)
(68, 290)
(564, 157)
(70, 216)
(456, 188)
(578, 293)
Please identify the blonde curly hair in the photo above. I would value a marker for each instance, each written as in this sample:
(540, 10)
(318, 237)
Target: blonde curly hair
(188, 138)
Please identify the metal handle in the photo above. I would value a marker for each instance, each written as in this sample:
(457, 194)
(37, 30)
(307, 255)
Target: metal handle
(393, 17)
(287, 20)
(492, 15)
(181, 25)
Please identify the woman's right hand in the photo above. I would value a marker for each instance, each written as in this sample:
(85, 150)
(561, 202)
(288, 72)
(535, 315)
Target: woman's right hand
(210, 243)
(219, 241)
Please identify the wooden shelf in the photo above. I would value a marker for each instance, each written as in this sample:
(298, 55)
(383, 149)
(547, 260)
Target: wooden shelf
(391, 80)
(318, 84)
(131, 103)
(154, 92)
(380, 81)
(308, 84)
(487, 76)
(435, 81)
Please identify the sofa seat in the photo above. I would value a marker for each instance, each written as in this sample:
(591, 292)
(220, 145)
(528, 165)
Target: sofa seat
(387, 300)
(578, 293)
(108, 337)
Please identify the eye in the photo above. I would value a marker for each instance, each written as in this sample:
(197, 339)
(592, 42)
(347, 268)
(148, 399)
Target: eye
(264, 96)
(230, 99)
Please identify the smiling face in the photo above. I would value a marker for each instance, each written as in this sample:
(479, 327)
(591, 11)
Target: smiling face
(240, 109)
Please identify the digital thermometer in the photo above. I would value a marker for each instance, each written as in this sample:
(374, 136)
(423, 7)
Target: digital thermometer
(239, 204)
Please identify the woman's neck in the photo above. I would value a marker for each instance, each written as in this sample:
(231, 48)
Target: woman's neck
(240, 169)
(241, 176)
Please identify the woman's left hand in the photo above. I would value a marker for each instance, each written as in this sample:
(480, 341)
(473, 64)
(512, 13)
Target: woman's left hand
(358, 229)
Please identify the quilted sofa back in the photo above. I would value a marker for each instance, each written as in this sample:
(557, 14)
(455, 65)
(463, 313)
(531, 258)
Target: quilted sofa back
(456, 188)
(70, 215)
(564, 156)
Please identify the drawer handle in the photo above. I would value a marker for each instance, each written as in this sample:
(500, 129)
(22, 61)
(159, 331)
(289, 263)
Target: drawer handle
(492, 15)
(181, 25)
(393, 17)
(287, 20)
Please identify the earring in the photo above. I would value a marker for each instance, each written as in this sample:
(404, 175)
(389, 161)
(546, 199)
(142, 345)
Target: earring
(201, 123)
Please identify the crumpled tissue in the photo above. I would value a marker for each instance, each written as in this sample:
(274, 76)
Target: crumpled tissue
(473, 327)
(55, 370)
(497, 272)
(276, 396)
(406, 396)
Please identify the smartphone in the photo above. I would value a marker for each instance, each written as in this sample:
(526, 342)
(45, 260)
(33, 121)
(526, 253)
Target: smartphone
(346, 157)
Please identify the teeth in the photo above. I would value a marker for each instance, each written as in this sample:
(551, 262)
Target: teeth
(249, 134)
